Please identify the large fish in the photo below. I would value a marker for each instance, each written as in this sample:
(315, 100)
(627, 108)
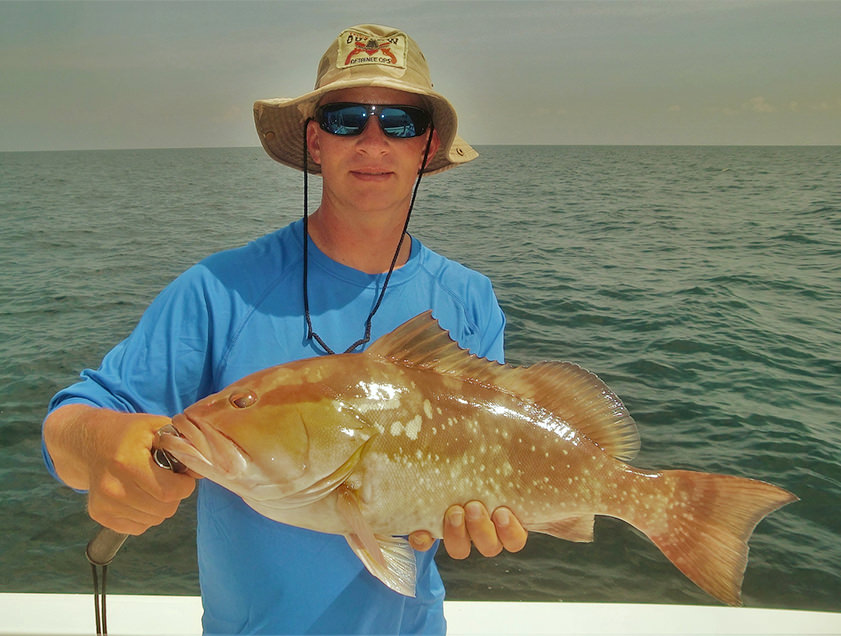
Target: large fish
(379, 444)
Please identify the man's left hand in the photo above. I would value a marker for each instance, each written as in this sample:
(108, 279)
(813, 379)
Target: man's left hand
(473, 525)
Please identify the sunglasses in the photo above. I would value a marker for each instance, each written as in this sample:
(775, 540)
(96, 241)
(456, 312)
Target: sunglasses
(349, 119)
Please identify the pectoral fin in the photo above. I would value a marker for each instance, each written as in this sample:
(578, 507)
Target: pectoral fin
(578, 529)
(390, 559)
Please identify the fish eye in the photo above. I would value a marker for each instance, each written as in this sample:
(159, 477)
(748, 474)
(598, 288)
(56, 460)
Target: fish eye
(243, 399)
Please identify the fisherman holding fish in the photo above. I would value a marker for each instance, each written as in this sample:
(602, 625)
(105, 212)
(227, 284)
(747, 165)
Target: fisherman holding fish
(332, 282)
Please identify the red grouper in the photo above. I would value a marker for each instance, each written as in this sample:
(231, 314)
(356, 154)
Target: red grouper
(378, 444)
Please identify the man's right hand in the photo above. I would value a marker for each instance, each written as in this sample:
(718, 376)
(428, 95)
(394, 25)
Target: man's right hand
(109, 454)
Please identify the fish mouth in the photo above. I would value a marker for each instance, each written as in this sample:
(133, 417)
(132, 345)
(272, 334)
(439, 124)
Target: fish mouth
(195, 442)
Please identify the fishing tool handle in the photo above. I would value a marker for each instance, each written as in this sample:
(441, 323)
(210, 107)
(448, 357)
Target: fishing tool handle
(104, 546)
(102, 549)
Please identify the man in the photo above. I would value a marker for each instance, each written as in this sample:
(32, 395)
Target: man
(331, 282)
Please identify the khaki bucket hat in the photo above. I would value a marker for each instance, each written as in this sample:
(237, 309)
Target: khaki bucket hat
(365, 55)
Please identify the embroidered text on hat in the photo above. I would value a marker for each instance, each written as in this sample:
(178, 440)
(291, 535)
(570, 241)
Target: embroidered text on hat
(357, 48)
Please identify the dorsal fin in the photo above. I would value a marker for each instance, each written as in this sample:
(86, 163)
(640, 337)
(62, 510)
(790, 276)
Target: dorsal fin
(565, 389)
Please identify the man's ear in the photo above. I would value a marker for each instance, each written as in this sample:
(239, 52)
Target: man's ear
(313, 145)
(434, 145)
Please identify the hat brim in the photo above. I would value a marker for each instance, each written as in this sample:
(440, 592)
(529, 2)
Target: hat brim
(280, 125)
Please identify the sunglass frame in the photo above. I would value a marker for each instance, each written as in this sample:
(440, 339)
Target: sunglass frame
(419, 119)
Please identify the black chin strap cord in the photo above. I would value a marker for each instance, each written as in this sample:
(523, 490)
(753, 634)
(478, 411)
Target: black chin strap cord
(311, 334)
(99, 602)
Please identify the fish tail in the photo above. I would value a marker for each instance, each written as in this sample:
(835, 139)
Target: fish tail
(706, 526)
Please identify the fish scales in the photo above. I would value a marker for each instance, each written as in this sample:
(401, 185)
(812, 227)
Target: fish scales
(451, 440)
(379, 444)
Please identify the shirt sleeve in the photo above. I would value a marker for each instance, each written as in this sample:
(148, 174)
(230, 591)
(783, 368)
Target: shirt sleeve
(493, 335)
(164, 365)
(488, 320)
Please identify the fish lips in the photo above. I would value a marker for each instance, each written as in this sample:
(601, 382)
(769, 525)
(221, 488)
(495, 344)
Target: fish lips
(213, 454)
(204, 449)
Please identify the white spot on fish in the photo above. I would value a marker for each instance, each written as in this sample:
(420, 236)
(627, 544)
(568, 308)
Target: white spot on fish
(380, 397)
(427, 409)
(413, 428)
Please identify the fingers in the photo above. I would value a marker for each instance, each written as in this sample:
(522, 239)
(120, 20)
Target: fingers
(456, 537)
(108, 454)
(481, 529)
(128, 491)
(421, 540)
(473, 525)
(509, 529)
(138, 502)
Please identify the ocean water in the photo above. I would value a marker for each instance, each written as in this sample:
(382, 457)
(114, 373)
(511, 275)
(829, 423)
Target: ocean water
(703, 284)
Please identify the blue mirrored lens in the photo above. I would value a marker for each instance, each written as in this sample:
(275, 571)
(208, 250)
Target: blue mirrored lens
(347, 120)
(399, 122)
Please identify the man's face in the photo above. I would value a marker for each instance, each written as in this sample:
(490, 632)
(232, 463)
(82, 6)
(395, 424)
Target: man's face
(369, 171)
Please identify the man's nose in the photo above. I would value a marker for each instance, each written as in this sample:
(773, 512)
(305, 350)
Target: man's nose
(373, 133)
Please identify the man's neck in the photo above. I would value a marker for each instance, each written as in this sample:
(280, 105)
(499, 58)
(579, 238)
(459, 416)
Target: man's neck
(366, 243)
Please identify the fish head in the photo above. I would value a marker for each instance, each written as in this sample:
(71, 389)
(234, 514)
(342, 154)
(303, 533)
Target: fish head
(279, 429)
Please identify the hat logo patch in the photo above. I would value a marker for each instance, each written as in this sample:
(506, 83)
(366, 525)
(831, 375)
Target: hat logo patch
(359, 48)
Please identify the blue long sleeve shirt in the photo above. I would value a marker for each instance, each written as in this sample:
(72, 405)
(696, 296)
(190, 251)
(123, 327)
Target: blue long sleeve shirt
(240, 311)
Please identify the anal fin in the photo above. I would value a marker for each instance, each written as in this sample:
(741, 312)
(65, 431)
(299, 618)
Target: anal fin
(577, 529)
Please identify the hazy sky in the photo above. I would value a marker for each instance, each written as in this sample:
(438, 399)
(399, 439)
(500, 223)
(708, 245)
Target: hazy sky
(180, 74)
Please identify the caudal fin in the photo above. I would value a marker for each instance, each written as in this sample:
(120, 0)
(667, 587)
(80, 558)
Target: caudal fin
(708, 521)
